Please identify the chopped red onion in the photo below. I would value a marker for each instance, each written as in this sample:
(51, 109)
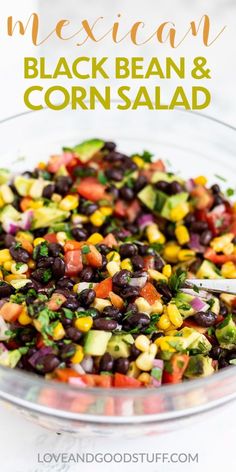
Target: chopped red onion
(26, 220)
(138, 281)
(189, 184)
(10, 226)
(33, 360)
(87, 364)
(199, 294)
(199, 305)
(145, 220)
(83, 286)
(158, 363)
(79, 369)
(195, 244)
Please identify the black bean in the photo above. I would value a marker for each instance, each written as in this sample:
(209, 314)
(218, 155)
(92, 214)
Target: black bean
(174, 188)
(140, 183)
(137, 262)
(231, 355)
(73, 334)
(104, 324)
(137, 320)
(5, 289)
(26, 335)
(223, 309)
(132, 228)
(126, 193)
(115, 174)
(58, 268)
(45, 262)
(113, 191)
(121, 278)
(65, 282)
(162, 185)
(216, 352)
(86, 274)
(47, 363)
(106, 363)
(206, 237)
(48, 191)
(134, 352)
(170, 231)
(38, 274)
(215, 188)
(131, 307)
(144, 250)
(218, 200)
(165, 291)
(66, 322)
(63, 184)
(189, 219)
(67, 351)
(128, 250)
(87, 297)
(205, 319)
(55, 249)
(90, 209)
(112, 312)
(156, 336)
(93, 312)
(103, 249)
(129, 164)
(120, 234)
(222, 363)
(19, 254)
(109, 146)
(80, 234)
(129, 292)
(71, 303)
(158, 263)
(9, 240)
(199, 226)
(114, 157)
(121, 365)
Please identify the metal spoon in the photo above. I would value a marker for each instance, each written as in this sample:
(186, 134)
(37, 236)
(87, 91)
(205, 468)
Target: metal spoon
(213, 285)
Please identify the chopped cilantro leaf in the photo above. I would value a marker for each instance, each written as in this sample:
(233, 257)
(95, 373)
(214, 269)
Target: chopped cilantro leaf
(102, 178)
(230, 192)
(85, 250)
(47, 275)
(177, 280)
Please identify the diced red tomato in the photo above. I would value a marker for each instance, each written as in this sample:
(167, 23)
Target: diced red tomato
(25, 203)
(220, 259)
(40, 341)
(104, 288)
(56, 301)
(116, 300)
(123, 381)
(94, 258)
(129, 211)
(10, 311)
(120, 208)
(74, 263)
(64, 374)
(91, 380)
(72, 245)
(177, 366)
(91, 189)
(51, 237)
(150, 293)
(55, 162)
(110, 240)
(154, 167)
(149, 262)
(202, 197)
(27, 245)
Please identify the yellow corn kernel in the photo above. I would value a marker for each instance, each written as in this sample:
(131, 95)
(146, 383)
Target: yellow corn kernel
(171, 252)
(126, 264)
(1, 202)
(157, 307)
(167, 270)
(97, 218)
(164, 322)
(58, 332)
(5, 256)
(25, 235)
(56, 198)
(113, 256)
(36, 204)
(84, 324)
(174, 315)
(138, 161)
(19, 268)
(200, 180)
(228, 270)
(219, 243)
(101, 303)
(133, 370)
(155, 275)
(154, 235)
(145, 378)
(24, 319)
(112, 268)
(142, 305)
(75, 288)
(182, 235)
(1, 275)
(31, 264)
(38, 241)
(106, 210)
(179, 212)
(186, 254)
(142, 343)
(69, 203)
(78, 356)
(7, 265)
(95, 238)
(145, 361)
(11, 277)
(172, 331)
(163, 343)
(228, 249)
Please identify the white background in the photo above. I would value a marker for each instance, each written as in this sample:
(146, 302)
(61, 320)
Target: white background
(214, 438)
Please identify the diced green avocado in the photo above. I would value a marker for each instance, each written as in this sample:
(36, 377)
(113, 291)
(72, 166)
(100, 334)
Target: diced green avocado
(4, 176)
(47, 216)
(166, 177)
(215, 306)
(201, 345)
(9, 212)
(182, 301)
(226, 333)
(199, 366)
(23, 185)
(172, 202)
(207, 270)
(10, 358)
(148, 196)
(186, 336)
(87, 149)
(161, 199)
(132, 175)
(62, 172)
(95, 343)
(119, 345)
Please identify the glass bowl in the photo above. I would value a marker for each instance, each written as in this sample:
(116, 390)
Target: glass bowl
(191, 144)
